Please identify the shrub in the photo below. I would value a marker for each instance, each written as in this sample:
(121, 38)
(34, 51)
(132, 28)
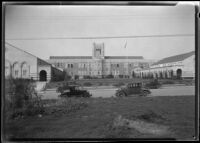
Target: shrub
(63, 87)
(153, 84)
(87, 84)
(21, 98)
(100, 84)
(76, 77)
(118, 84)
(109, 76)
(20, 91)
(168, 82)
(87, 77)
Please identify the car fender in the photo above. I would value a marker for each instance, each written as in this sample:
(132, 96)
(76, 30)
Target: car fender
(148, 91)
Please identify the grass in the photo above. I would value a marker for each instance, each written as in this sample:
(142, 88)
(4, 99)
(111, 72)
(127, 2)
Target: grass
(96, 119)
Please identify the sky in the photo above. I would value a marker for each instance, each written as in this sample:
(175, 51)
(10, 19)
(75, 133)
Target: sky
(46, 31)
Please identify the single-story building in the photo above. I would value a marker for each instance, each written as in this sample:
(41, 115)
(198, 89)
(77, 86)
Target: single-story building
(178, 66)
(21, 64)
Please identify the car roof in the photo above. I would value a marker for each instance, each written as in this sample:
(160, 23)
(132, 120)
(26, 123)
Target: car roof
(134, 83)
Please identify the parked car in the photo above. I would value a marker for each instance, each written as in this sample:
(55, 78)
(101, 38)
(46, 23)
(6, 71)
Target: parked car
(133, 89)
(75, 91)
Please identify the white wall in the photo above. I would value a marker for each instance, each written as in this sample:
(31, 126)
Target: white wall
(14, 55)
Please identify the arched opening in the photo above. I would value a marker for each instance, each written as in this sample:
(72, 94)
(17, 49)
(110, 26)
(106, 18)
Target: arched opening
(161, 75)
(7, 68)
(16, 70)
(166, 74)
(156, 75)
(179, 73)
(171, 73)
(25, 70)
(43, 75)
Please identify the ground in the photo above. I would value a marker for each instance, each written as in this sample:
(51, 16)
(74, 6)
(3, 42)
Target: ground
(97, 119)
(168, 112)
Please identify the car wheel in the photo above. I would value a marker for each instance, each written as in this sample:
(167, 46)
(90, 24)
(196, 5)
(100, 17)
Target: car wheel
(145, 93)
(122, 94)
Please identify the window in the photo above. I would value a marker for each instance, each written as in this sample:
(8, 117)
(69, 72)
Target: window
(117, 65)
(16, 72)
(24, 72)
(71, 65)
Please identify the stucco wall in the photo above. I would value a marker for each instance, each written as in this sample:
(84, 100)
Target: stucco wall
(189, 67)
(15, 58)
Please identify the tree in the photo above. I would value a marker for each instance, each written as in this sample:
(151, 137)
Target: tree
(66, 76)
(76, 77)
(133, 74)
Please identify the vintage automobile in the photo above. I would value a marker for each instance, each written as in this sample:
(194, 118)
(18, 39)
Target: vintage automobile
(75, 91)
(133, 89)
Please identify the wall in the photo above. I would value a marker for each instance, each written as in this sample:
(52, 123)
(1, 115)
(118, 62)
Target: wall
(15, 58)
(189, 67)
(56, 74)
(168, 70)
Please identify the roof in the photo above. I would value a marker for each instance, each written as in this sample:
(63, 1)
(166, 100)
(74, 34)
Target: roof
(123, 57)
(70, 57)
(175, 58)
(42, 62)
(8, 44)
(90, 57)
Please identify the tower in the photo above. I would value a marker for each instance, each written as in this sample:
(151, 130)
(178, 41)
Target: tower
(98, 51)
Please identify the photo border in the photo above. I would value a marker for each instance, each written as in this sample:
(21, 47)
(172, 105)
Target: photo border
(104, 3)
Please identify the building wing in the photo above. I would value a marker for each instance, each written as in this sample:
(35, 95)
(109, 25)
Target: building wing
(175, 58)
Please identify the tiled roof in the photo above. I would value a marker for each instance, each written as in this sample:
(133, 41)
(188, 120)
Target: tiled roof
(70, 57)
(90, 57)
(175, 58)
(123, 57)
(40, 61)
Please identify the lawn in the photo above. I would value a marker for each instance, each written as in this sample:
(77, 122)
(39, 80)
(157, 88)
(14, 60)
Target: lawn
(97, 117)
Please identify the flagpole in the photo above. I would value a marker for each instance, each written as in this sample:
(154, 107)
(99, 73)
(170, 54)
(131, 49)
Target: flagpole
(126, 58)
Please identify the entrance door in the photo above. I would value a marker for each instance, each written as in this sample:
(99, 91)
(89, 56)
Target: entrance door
(43, 75)
(179, 73)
